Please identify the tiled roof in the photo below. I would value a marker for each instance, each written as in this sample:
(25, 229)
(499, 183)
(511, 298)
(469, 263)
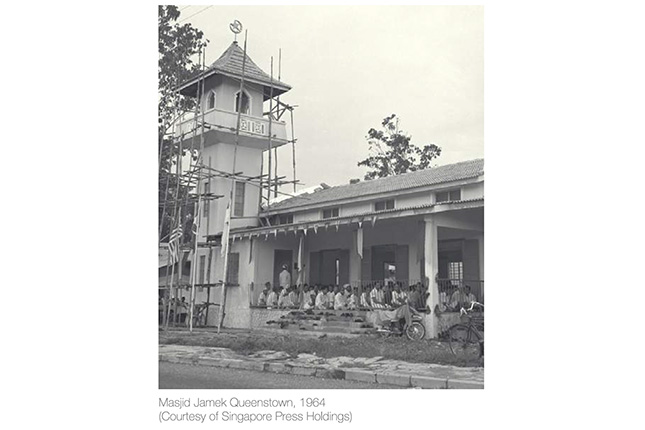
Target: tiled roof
(421, 178)
(230, 64)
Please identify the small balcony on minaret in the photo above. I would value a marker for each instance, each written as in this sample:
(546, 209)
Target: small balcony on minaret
(219, 95)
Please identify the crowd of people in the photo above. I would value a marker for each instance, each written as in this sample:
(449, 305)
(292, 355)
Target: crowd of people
(377, 295)
(452, 297)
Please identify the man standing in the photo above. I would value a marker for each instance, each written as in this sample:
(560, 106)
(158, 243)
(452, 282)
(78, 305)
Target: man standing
(285, 277)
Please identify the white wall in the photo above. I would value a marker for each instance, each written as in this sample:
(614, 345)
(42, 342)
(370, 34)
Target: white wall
(248, 162)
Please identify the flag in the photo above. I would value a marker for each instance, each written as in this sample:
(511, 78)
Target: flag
(194, 228)
(359, 240)
(173, 244)
(301, 271)
(300, 246)
(226, 231)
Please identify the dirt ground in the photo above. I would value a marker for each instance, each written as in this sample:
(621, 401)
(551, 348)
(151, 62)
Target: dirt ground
(395, 348)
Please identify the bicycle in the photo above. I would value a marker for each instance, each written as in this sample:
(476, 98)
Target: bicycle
(467, 339)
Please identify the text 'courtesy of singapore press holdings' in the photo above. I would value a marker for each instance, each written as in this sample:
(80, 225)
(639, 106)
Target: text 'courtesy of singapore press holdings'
(251, 410)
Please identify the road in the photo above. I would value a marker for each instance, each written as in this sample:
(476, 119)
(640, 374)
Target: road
(173, 375)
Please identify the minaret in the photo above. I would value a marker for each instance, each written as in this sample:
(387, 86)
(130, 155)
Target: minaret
(219, 103)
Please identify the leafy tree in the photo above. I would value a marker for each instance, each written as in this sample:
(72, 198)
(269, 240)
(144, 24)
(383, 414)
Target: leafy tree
(392, 153)
(179, 48)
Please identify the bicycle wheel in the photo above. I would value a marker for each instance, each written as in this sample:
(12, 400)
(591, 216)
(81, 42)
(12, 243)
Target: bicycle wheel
(415, 331)
(464, 342)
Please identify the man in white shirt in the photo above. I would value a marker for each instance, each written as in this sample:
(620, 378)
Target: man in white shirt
(321, 298)
(468, 296)
(352, 300)
(272, 299)
(293, 296)
(285, 277)
(331, 295)
(262, 299)
(340, 301)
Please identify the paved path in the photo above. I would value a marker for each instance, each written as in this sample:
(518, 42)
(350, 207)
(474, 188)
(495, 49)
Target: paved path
(173, 375)
(369, 370)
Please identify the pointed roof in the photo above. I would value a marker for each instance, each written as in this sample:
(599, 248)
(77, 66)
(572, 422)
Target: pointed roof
(230, 64)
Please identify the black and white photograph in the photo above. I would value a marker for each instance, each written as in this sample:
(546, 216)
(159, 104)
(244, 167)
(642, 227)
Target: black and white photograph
(321, 197)
(312, 214)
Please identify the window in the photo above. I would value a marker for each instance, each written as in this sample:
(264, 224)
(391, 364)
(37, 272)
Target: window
(238, 205)
(383, 205)
(456, 270)
(285, 219)
(207, 202)
(330, 213)
(202, 268)
(210, 100)
(233, 270)
(246, 103)
(449, 196)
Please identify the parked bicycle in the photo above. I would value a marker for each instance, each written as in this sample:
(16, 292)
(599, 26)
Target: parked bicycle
(466, 339)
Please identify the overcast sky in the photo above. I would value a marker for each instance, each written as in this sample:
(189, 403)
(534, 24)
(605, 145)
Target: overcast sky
(352, 66)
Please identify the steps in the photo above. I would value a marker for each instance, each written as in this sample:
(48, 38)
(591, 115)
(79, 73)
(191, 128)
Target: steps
(329, 321)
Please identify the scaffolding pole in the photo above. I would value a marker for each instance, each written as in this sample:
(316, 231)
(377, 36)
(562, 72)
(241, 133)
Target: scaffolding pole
(237, 139)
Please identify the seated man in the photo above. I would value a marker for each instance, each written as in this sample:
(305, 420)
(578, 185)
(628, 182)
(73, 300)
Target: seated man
(340, 301)
(352, 300)
(283, 298)
(264, 295)
(272, 299)
(321, 299)
(377, 297)
(331, 296)
(293, 297)
(415, 297)
(456, 300)
(468, 296)
(399, 298)
(307, 299)
(365, 298)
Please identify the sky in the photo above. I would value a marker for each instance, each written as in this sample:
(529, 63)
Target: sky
(351, 66)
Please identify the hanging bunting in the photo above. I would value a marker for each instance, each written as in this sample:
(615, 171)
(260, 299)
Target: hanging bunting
(373, 220)
(316, 229)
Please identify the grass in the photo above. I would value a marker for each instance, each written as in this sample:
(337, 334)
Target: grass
(394, 348)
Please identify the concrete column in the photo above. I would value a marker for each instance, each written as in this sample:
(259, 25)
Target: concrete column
(431, 270)
(354, 260)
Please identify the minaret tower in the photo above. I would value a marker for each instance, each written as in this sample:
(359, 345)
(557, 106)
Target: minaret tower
(219, 102)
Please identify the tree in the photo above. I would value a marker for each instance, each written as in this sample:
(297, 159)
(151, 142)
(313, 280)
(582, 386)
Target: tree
(179, 47)
(392, 153)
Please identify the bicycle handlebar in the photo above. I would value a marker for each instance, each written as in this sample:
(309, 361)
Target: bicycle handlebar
(463, 311)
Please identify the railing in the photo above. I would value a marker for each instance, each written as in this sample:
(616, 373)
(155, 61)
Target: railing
(227, 121)
(455, 293)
